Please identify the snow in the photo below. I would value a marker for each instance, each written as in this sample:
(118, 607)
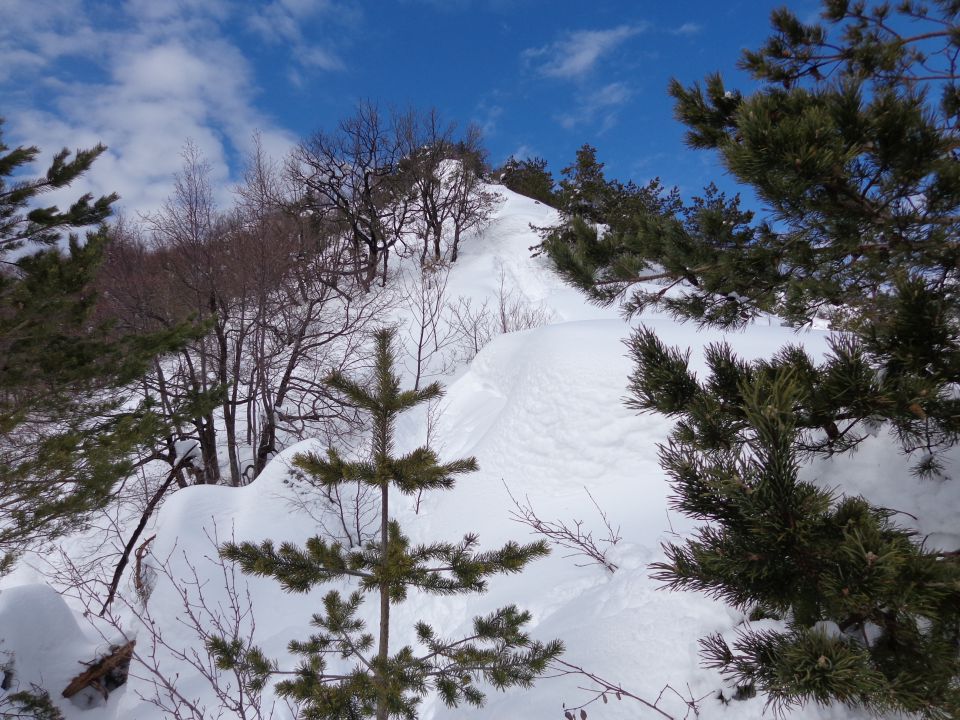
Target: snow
(186, 450)
(542, 412)
(43, 645)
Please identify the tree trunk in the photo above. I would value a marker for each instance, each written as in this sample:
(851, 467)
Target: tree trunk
(230, 425)
(267, 446)
(208, 450)
(426, 249)
(383, 652)
(373, 262)
(437, 237)
(456, 244)
(206, 430)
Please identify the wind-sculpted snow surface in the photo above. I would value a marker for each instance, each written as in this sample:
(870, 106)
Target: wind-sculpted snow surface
(542, 411)
(42, 642)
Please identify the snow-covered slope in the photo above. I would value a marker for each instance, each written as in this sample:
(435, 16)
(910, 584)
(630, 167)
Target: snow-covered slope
(542, 411)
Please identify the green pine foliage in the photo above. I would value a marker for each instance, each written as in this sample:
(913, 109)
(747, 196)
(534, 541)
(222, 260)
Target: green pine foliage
(33, 704)
(850, 146)
(529, 177)
(346, 669)
(597, 211)
(45, 225)
(585, 194)
(66, 430)
(872, 616)
(584, 191)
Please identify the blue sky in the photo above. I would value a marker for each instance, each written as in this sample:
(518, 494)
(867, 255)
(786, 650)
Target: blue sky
(541, 77)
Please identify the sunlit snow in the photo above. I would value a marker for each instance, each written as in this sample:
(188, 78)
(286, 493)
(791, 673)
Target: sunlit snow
(542, 411)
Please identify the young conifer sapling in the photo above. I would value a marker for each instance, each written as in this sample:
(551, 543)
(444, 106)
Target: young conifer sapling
(346, 671)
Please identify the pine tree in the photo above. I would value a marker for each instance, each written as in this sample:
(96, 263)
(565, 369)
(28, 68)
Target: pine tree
(382, 683)
(851, 145)
(872, 616)
(584, 191)
(66, 437)
(529, 177)
(586, 194)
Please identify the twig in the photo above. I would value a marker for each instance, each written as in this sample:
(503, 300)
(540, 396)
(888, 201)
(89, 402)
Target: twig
(607, 688)
(574, 538)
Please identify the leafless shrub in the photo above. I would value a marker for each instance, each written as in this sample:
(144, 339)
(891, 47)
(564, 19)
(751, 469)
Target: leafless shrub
(207, 620)
(162, 663)
(477, 325)
(346, 513)
(571, 536)
(472, 326)
(514, 312)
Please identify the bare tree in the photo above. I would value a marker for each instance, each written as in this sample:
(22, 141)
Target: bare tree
(352, 177)
(472, 205)
(445, 181)
(271, 283)
(427, 142)
(186, 244)
(314, 317)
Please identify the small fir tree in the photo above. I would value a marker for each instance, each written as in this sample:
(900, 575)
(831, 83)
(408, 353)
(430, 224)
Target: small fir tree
(384, 683)
(851, 144)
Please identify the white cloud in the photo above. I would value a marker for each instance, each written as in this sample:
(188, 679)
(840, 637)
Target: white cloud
(487, 114)
(319, 58)
(523, 152)
(609, 95)
(599, 106)
(575, 55)
(178, 11)
(688, 28)
(282, 22)
(448, 6)
(35, 33)
(167, 72)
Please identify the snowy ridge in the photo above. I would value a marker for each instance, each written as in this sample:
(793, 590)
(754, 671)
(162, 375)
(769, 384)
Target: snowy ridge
(542, 411)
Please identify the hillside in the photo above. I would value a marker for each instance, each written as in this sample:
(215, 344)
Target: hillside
(542, 412)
